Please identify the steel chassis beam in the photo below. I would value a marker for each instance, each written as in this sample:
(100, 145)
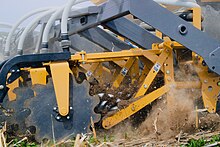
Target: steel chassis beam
(161, 19)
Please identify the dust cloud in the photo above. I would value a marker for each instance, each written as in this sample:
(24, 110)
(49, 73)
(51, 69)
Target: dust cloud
(167, 120)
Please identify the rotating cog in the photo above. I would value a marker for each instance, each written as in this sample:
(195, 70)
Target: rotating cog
(49, 124)
(15, 112)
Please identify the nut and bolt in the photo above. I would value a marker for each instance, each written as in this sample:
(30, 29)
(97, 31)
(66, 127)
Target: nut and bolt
(1, 87)
(172, 45)
(58, 117)
(133, 108)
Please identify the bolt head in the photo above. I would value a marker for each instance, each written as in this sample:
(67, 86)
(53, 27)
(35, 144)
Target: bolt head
(68, 117)
(133, 108)
(168, 72)
(71, 108)
(54, 108)
(1, 87)
(145, 86)
(58, 117)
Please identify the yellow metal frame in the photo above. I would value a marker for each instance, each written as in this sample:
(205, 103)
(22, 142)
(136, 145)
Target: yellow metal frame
(123, 72)
(134, 107)
(154, 70)
(38, 76)
(159, 59)
(142, 99)
(134, 71)
(11, 95)
(60, 76)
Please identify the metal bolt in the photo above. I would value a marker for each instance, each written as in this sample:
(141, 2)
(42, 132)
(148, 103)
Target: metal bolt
(12, 70)
(68, 117)
(145, 86)
(172, 45)
(133, 108)
(1, 87)
(58, 117)
(168, 72)
(210, 88)
(205, 81)
(54, 108)
(18, 70)
(71, 108)
(218, 83)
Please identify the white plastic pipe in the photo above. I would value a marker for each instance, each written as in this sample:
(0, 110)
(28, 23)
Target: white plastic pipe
(15, 26)
(5, 25)
(182, 3)
(38, 45)
(65, 15)
(50, 24)
(53, 18)
(30, 26)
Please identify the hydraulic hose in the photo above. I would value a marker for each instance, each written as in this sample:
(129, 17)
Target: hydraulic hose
(182, 3)
(15, 26)
(48, 27)
(5, 25)
(29, 27)
(64, 32)
(50, 23)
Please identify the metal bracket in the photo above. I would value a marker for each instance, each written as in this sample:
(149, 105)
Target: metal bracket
(35, 60)
(60, 76)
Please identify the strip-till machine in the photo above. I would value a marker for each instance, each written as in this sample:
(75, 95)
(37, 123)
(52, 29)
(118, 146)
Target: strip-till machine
(103, 54)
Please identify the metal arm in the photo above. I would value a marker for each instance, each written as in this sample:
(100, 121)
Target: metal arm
(177, 29)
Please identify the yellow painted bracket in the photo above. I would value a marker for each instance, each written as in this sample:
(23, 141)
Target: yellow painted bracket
(90, 72)
(210, 92)
(169, 79)
(101, 73)
(123, 72)
(197, 16)
(147, 66)
(12, 86)
(153, 72)
(38, 76)
(134, 71)
(134, 107)
(60, 76)
(210, 85)
(159, 34)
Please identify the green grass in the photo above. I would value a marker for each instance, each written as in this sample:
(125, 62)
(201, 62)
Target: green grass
(24, 143)
(202, 141)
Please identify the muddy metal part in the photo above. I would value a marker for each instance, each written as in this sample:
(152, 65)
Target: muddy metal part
(153, 56)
